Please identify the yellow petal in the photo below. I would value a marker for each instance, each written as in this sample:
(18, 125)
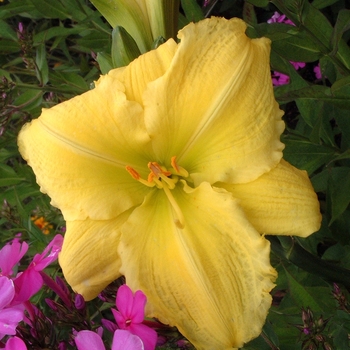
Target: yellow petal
(89, 257)
(212, 278)
(79, 150)
(214, 108)
(144, 69)
(281, 202)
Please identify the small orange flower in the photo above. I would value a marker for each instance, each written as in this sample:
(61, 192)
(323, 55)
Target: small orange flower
(42, 224)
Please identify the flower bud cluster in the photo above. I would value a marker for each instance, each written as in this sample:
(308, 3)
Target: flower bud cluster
(312, 331)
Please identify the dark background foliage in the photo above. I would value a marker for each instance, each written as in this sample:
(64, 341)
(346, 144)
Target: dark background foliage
(51, 51)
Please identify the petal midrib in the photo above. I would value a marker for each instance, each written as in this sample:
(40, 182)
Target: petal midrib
(213, 113)
(83, 148)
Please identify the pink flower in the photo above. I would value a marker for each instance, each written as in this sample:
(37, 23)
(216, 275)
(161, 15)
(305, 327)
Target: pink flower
(278, 18)
(122, 340)
(131, 314)
(15, 343)
(279, 79)
(30, 281)
(9, 316)
(298, 65)
(317, 71)
(10, 255)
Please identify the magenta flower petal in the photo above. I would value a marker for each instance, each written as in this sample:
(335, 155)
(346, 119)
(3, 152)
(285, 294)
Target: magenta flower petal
(27, 284)
(88, 340)
(138, 309)
(9, 319)
(298, 65)
(130, 315)
(7, 291)
(124, 340)
(124, 300)
(317, 71)
(15, 343)
(148, 335)
(279, 79)
(50, 254)
(278, 18)
(10, 255)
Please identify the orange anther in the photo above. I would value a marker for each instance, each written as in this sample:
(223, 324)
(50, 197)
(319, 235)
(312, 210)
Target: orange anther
(174, 164)
(133, 172)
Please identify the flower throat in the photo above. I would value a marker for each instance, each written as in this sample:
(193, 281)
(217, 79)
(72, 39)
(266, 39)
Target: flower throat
(166, 180)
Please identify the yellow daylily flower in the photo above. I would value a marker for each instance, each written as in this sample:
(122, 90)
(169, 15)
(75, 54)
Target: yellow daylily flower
(168, 172)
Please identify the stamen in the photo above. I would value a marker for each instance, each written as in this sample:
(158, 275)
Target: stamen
(157, 170)
(179, 170)
(180, 220)
(137, 177)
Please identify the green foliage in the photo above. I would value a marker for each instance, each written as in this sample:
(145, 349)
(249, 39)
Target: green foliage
(54, 50)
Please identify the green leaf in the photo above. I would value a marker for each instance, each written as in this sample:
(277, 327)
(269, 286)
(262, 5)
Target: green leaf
(320, 4)
(9, 46)
(340, 191)
(124, 48)
(341, 88)
(249, 14)
(51, 9)
(28, 100)
(339, 254)
(259, 3)
(304, 15)
(6, 31)
(193, 11)
(74, 81)
(19, 7)
(320, 181)
(78, 9)
(337, 96)
(55, 32)
(301, 295)
(105, 62)
(341, 337)
(8, 176)
(129, 16)
(342, 25)
(42, 67)
(290, 42)
(306, 155)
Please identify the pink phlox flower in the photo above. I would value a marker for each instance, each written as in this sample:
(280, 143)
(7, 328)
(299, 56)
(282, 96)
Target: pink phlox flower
(278, 18)
(30, 281)
(317, 71)
(15, 343)
(122, 340)
(50, 254)
(10, 315)
(10, 255)
(131, 314)
(279, 79)
(283, 79)
(298, 65)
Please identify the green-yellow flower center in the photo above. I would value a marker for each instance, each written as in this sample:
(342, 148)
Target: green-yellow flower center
(164, 179)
